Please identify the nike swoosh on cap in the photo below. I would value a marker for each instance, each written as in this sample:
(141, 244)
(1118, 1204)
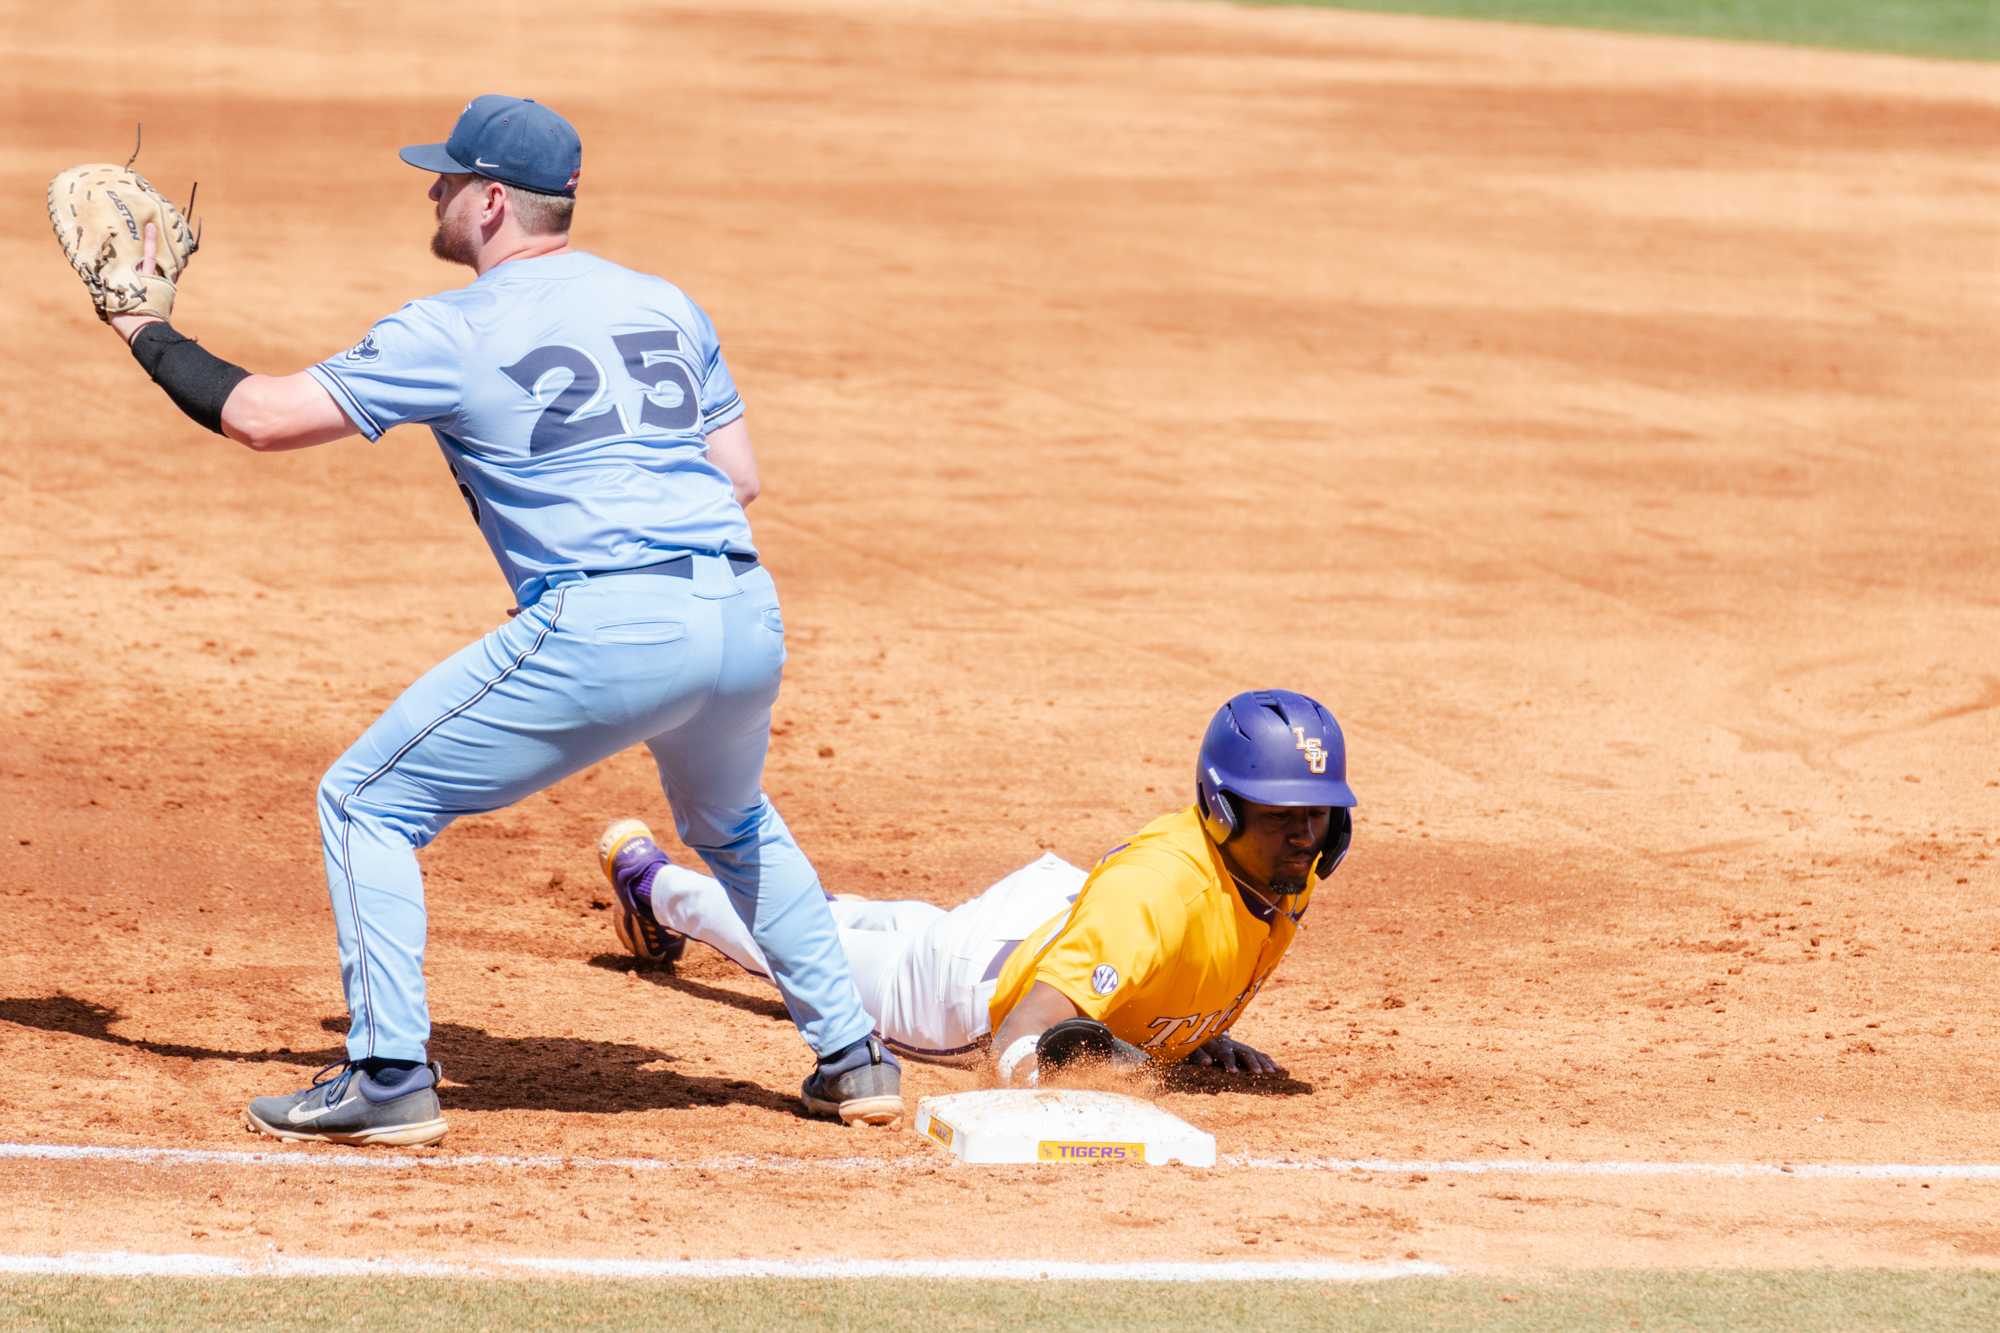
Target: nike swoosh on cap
(482, 162)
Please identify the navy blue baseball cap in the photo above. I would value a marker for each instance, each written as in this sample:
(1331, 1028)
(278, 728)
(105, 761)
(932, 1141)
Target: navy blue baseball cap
(514, 140)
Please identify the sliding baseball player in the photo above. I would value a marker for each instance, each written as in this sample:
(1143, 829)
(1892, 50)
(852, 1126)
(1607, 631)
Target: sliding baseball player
(1150, 957)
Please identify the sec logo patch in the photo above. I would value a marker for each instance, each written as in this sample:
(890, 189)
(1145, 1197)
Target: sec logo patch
(1105, 979)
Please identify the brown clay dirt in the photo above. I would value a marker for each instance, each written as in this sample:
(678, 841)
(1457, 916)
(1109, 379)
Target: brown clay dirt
(1603, 425)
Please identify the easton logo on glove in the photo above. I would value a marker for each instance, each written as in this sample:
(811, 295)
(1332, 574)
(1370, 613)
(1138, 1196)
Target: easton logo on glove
(100, 212)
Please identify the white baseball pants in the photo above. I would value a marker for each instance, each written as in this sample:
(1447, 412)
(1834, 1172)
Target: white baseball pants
(926, 975)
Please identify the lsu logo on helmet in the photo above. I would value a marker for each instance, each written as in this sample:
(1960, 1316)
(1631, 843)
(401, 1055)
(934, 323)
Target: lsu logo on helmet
(1314, 752)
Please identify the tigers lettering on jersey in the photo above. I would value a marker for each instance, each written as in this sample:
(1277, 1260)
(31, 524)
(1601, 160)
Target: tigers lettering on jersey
(1194, 1029)
(1158, 945)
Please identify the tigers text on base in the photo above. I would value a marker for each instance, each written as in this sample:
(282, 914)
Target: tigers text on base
(1063, 1126)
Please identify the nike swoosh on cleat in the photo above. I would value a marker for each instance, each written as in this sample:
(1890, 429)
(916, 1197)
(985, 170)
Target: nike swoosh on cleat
(295, 1117)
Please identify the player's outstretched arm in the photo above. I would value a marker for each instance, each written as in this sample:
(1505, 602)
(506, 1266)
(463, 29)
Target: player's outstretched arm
(1231, 1056)
(272, 413)
(268, 413)
(1047, 1032)
(1014, 1041)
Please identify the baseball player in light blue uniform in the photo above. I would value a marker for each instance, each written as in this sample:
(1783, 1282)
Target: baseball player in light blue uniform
(595, 432)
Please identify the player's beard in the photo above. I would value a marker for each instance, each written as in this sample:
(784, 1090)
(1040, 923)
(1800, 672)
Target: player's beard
(454, 245)
(1283, 883)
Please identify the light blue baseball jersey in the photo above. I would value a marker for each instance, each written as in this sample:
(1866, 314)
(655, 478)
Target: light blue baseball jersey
(571, 398)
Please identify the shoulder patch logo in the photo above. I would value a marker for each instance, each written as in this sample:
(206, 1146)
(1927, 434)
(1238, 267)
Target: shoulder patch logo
(365, 350)
(1105, 979)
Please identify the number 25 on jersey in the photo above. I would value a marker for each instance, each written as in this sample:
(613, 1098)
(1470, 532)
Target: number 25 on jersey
(580, 411)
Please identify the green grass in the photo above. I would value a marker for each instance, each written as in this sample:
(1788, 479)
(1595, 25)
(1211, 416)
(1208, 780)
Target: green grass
(1956, 29)
(1797, 1301)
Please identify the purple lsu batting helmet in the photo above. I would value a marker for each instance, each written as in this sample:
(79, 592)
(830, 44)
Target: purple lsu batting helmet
(1275, 747)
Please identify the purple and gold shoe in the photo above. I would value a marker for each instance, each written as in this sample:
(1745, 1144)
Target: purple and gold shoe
(630, 858)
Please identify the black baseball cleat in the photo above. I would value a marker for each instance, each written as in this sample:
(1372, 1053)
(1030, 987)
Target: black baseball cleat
(354, 1105)
(629, 857)
(861, 1084)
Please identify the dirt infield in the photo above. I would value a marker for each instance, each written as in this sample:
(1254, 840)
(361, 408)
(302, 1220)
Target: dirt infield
(1603, 426)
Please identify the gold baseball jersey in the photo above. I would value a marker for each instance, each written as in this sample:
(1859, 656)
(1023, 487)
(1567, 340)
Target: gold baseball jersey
(1158, 946)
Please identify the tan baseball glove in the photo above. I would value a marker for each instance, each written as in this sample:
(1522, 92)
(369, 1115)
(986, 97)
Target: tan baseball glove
(100, 212)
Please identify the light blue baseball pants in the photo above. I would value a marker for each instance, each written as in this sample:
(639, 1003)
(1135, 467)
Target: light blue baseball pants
(688, 666)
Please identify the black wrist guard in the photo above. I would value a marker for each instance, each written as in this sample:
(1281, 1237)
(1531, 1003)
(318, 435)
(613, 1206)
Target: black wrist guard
(198, 381)
(1084, 1041)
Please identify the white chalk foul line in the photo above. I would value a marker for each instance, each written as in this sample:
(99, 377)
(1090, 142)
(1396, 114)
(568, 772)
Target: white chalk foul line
(319, 1159)
(126, 1263)
(1530, 1166)
(314, 1159)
